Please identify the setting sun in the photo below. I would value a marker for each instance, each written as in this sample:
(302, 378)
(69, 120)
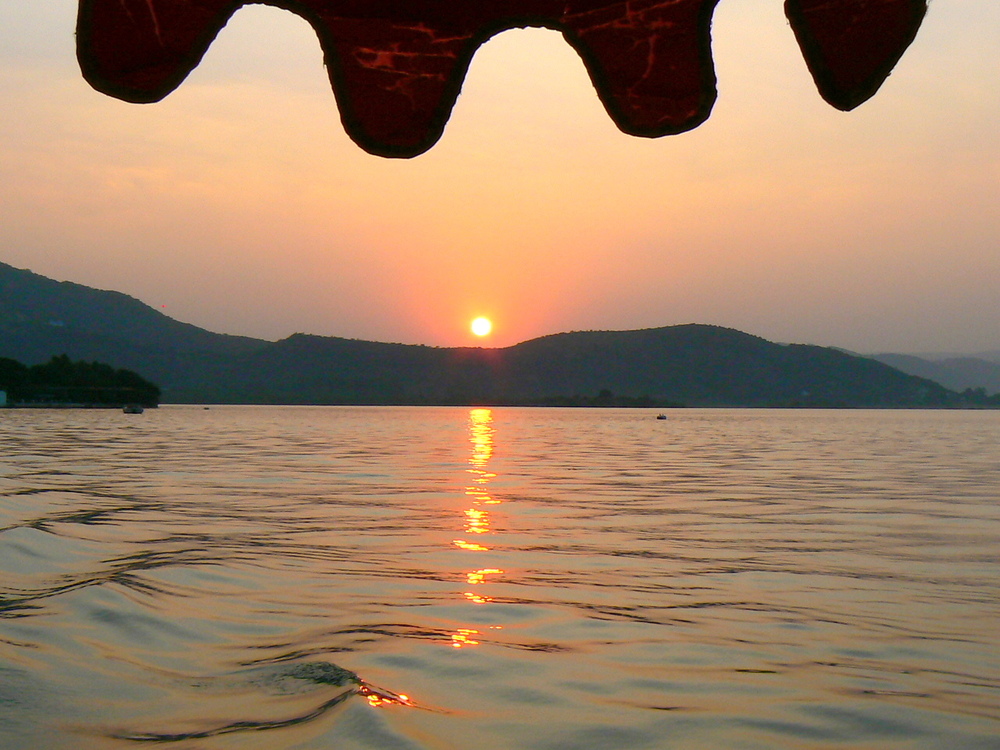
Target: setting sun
(482, 326)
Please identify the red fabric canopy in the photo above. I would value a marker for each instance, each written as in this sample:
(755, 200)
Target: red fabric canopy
(397, 66)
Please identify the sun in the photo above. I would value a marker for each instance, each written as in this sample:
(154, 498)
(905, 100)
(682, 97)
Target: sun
(482, 326)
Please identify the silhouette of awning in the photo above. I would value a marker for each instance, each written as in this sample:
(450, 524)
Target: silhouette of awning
(397, 66)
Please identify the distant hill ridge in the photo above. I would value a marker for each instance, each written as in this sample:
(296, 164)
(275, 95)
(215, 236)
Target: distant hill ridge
(957, 373)
(691, 364)
(29, 300)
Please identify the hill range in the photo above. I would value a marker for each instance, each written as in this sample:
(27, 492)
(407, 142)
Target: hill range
(694, 365)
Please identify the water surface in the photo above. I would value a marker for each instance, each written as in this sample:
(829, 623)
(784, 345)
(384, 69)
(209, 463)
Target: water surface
(545, 579)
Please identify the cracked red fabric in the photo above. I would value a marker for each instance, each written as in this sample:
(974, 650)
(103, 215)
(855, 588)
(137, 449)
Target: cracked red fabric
(397, 66)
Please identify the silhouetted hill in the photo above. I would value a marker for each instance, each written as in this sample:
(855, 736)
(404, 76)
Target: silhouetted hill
(957, 373)
(41, 318)
(709, 365)
(690, 364)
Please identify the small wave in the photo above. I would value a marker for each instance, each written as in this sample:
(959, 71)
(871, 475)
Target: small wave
(282, 679)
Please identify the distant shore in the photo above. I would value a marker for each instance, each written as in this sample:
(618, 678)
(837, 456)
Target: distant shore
(42, 405)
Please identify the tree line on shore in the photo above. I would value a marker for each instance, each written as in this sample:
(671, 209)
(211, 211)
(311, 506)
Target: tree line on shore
(61, 381)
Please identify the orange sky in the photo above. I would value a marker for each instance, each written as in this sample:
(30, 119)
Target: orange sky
(239, 204)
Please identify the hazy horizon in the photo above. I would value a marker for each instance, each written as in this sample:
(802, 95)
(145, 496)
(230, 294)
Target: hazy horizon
(239, 205)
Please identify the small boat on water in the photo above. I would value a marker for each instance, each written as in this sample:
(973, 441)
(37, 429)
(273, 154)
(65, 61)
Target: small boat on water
(132, 409)
(661, 416)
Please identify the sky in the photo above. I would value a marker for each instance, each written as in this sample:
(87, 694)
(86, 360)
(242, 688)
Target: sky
(239, 204)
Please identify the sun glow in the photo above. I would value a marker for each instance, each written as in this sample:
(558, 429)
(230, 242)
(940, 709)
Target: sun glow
(481, 326)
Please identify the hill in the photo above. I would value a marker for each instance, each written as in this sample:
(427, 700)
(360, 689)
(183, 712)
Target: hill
(957, 373)
(689, 364)
(41, 318)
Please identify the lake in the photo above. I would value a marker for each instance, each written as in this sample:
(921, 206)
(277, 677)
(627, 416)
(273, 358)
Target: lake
(539, 579)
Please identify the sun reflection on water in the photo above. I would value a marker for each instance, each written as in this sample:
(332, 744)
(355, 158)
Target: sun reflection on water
(377, 697)
(470, 546)
(464, 637)
(478, 576)
(481, 436)
(477, 519)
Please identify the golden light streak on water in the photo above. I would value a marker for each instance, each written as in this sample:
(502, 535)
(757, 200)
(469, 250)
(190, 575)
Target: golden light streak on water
(481, 428)
(477, 521)
(482, 476)
(378, 698)
(479, 576)
(476, 578)
(470, 546)
(463, 638)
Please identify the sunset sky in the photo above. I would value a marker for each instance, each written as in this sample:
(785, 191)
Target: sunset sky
(240, 205)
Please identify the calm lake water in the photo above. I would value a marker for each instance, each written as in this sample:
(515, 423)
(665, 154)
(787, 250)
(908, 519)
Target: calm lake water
(537, 579)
